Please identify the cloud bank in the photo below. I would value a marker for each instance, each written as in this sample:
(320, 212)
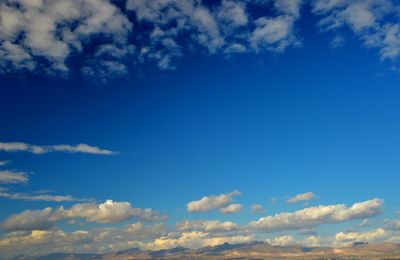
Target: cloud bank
(109, 37)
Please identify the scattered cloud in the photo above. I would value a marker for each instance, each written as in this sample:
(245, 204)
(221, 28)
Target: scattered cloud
(13, 177)
(206, 225)
(301, 197)
(2, 163)
(282, 241)
(104, 213)
(50, 34)
(273, 200)
(372, 21)
(231, 208)
(313, 216)
(257, 208)
(196, 239)
(392, 224)
(211, 202)
(37, 197)
(370, 236)
(36, 149)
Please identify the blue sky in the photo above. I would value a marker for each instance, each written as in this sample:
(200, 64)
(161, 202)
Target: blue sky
(286, 98)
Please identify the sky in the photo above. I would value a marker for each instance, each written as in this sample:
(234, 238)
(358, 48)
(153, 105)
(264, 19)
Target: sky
(165, 123)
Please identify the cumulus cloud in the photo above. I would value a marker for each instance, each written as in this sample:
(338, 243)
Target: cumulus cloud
(54, 30)
(103, 213)
(231, 208)
(211, 202)
(370, 236)
(196, 239)
(207, 225)
(373, 21)
(49, 34)
(313, 216)
(31, 220)
(257, 208)
(36, 149)
(13, 177)
(282, 241)
(301, 197)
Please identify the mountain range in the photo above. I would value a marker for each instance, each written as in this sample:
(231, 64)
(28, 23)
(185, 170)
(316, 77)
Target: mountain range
(251, 250)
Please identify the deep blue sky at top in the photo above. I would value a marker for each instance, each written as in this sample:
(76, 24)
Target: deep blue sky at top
(312, 118)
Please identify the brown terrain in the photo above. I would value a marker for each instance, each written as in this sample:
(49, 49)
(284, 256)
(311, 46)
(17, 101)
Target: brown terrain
(252, 250)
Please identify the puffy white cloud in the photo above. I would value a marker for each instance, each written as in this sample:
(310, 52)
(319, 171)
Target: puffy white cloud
(103, 213)
(53, 30)
(291, 7)
(374, 21)
(196, 239)
(313, 241)
(211, 202)
(31, 220)
(41, 242)
(360, 237)
(110, 212)
(256, 208)
(13, 177)
(274, 34)
(36, 149)
(107, 212)
(207, 225)
(282, 241)
(231, 208)
(301, 197)
(313, 216)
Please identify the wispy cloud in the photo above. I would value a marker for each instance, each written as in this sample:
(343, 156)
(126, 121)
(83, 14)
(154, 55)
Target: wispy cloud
(257, 208)
(37, 149)
(3, 162)
(37, 197)
(301, 197)
(13, 177)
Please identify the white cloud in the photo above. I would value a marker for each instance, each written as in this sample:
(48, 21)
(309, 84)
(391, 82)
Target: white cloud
(110, 212)
(231, 208)
(291, 7)
(257, 208)
(36, 149)
(207, 225)
(13, 177)
(282, 241)
(36, 197)
(274, 34)
(360, 237)
(211, 202)
(2, 163)
(313, 216)
(53, 30)
(301, 197)
(31, 220)
(313, 241)
(392, 224)
(196, 239)
(370, 20)
(103, 213)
